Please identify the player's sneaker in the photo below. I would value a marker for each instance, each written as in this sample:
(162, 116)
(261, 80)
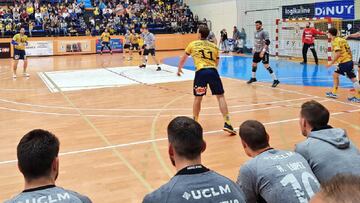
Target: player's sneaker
(354, 99)
(303, 63)
(158, 68)
(14, 76)
(251, 80)
(26, 75)
(100, 52)
(228, 128)
(331, 95)
(275, 83)
(142, 66)
(111, 52)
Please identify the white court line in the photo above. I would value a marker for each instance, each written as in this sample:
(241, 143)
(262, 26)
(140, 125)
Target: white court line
(142, 116)
(163, 139)
(139, 109)
(300, 93)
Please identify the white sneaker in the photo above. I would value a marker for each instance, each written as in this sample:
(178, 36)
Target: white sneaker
(26, 74)
(14, 76)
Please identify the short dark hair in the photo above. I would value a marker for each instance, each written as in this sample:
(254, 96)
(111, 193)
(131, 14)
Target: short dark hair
(186, 137)
(204, 31)
(342, 188)
(36, 152)
(333, 31)
(258, 21)
(315, 114)
(253, 133)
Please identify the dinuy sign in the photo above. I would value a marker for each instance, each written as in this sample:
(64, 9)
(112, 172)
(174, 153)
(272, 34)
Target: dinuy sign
(336, 9)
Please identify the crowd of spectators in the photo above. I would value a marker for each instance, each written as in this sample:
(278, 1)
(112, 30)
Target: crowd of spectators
(72, 18)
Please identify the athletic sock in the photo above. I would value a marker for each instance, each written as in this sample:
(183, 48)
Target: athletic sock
(227, 119)
(253, 74)
(335, 89)
(357, 89)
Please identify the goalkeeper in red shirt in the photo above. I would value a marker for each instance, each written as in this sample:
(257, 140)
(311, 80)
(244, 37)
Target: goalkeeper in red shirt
(308, 39)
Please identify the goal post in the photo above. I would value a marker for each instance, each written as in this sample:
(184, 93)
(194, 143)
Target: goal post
(288, 37)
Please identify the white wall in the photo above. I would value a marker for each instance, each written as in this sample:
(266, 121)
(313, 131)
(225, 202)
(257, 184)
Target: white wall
(222, 13)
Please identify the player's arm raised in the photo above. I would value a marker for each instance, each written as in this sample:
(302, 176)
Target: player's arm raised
(355, 35)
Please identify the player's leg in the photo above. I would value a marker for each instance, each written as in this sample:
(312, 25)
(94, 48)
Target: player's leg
(197, 107)
(199, 90)
(350, 73)
(312, 48)
(155, 59)
(15, 64)
(145, 58)
(333, 93)
(217, 89)
(109, 47)
(102, 47)
(304, 53)
(265, 60)
(131, 51)
(25, 74)
(256, 60)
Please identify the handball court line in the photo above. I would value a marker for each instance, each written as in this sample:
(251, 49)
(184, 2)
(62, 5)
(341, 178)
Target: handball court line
(149, 109)
(105, 140)
(124, 145)
(142, 116)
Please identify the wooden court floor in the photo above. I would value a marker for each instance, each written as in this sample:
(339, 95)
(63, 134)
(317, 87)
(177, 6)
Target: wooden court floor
(113, 140)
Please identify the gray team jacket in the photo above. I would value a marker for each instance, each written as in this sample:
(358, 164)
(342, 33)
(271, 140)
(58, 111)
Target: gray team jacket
(203, 187)
(49, 193)
(330, 152)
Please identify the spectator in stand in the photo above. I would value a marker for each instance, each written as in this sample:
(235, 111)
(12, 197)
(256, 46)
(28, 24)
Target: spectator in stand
(38, 17)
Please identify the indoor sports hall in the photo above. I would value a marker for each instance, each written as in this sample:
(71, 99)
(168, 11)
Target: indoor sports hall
(111, 116)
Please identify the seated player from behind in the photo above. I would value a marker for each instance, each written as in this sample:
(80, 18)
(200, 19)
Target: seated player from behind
(343, 57)
(340, 189)
(193, 182)
(328, 150)
(273, 176)
(38, 161)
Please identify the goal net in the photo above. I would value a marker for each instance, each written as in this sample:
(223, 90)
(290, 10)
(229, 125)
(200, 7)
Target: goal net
(289, 36)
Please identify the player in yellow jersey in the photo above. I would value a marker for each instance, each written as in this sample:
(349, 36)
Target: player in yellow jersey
(105, 40)
(20, 41)
(134, 40)
(356, 35)
(343, 57)
(206, 59)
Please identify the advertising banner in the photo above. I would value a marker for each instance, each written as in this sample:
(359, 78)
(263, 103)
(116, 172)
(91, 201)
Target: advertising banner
(298, 11)
(115, 44)
(5, 50)
(77, 46)
(40, 48)
(344, 9)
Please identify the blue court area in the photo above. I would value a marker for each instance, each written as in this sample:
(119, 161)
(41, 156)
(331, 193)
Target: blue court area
(291, 73)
